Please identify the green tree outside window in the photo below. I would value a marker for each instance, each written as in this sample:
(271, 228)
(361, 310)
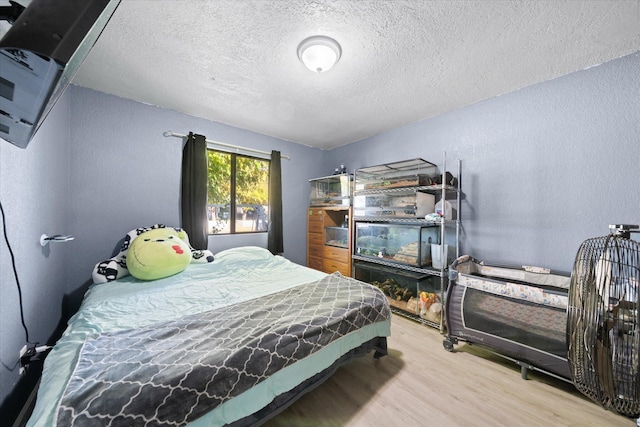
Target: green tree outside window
(238, 193)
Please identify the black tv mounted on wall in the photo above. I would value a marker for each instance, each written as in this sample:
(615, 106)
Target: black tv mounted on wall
(40, 54)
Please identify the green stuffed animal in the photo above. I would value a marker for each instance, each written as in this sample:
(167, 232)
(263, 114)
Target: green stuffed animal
(158, 253)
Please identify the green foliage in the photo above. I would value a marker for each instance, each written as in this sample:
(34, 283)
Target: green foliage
(219, 178)
(252, 179)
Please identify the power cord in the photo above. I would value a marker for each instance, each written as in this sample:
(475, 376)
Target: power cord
(32, 347)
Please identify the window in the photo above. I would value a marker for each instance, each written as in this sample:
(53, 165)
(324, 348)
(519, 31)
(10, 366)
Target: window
(238, 193)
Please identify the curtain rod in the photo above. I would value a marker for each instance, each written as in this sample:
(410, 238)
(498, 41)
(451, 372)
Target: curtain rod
(222, 144)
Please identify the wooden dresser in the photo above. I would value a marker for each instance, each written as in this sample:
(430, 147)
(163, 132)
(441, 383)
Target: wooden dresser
(328, 241)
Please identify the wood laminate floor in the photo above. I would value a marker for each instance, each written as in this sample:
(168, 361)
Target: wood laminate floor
(420, 384)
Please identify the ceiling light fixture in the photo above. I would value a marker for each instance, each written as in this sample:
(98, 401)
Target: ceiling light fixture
(319, 53)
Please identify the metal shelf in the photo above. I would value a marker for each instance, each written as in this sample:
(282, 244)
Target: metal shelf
(417, 167)
(400, 220)
(381, 261)
(413, 189)
(415, 317)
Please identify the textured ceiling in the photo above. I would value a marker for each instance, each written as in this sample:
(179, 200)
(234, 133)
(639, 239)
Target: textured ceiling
(235, 61)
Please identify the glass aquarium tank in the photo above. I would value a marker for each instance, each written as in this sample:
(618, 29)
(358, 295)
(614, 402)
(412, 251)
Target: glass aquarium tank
(336, 236)
(401, 243)
(409, 291)
(399, 204)
(408, 173)
(334, 190)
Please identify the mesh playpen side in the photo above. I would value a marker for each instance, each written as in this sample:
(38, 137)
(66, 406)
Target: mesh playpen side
(517, 313)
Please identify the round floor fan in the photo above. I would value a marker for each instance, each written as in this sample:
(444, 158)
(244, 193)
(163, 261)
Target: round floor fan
(603, 323)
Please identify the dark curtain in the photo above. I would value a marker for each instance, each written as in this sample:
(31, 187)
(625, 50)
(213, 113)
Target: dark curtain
(193, 194)
(275, 205)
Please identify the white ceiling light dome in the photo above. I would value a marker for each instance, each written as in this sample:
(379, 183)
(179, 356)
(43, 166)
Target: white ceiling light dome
(319, 53)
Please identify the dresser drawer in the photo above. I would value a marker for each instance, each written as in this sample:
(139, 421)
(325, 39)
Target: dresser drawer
(317, 240)
(316, 228)
(336, 254)
(331, 266)
(315, 215)
(314, 262)
(315, 250)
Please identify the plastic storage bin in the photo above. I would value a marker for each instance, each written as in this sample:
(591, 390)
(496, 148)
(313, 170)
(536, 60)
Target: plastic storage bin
(439, 256)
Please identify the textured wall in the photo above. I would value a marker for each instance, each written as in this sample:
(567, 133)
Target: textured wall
(544, 168)
(126, 174)
(34, 190)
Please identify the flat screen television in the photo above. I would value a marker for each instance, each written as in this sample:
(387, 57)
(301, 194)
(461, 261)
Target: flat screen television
(39, 55)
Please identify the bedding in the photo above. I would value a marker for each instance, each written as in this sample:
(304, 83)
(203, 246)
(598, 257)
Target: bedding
(227, 342)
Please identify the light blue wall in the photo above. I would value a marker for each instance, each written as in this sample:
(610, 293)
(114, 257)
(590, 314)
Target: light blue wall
(34, 191)
(543, 168)
(126, 174)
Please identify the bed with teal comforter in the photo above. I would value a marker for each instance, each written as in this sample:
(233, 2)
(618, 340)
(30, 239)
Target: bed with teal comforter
(226, 343)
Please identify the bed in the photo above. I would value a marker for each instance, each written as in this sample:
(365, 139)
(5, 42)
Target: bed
(231, 342)
(518, 313)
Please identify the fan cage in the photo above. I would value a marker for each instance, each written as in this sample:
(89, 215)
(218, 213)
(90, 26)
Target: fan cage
(603, 336)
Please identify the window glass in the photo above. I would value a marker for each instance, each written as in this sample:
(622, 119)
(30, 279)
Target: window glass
(238, 193)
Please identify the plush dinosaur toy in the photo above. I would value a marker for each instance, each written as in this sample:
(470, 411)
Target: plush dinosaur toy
(151, 253)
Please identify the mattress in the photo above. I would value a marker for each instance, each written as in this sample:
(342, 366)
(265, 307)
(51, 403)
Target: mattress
(239, 277)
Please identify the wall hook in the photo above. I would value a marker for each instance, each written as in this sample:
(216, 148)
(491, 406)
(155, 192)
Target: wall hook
(44, 239)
